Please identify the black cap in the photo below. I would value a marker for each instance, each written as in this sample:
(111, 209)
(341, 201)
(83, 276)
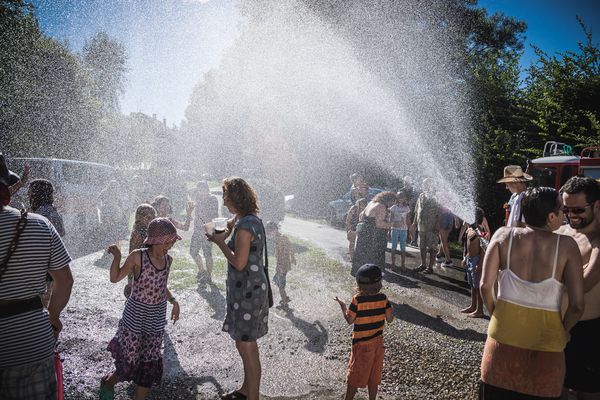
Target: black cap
(7, 177)
(368, 273)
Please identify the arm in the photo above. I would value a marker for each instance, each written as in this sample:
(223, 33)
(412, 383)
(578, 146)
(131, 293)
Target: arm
(21, 182)
(573, 277)
(389, 313)
(491, 264)
(349, 318)
(61, 293)
(118, 273)
(591, 271)
(239, 257)
(175, 311)
(486, 226)
(349, 217)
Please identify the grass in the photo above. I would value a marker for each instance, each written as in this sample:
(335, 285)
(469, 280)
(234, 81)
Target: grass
(183, 275)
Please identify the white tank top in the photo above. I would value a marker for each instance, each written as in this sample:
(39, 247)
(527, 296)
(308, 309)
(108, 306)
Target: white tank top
(544, 295)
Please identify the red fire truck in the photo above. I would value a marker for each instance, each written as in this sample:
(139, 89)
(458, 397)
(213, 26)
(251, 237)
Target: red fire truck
(558, 164)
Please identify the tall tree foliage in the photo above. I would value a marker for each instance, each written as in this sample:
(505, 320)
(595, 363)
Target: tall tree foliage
(563, 95)
(105, 60)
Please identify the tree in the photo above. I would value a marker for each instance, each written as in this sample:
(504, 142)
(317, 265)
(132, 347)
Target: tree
(563, 95)
(105, 60)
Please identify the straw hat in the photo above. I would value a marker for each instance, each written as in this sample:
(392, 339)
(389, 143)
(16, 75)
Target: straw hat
(514, 173)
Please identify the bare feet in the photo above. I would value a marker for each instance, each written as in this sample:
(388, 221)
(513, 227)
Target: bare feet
(467, 310)
(475, 314)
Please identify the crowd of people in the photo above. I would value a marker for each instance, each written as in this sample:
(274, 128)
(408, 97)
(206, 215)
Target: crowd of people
(538, 277)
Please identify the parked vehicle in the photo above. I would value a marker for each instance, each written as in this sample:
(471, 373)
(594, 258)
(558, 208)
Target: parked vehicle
(77, 186)
(337, 209)
(558, 164)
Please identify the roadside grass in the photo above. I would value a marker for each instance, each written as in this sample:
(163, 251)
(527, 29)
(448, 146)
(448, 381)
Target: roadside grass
(311, 263)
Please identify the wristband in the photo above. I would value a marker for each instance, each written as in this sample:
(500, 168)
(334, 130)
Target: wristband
(172, 299)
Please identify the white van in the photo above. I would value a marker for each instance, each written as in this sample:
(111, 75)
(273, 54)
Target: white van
(77, 186)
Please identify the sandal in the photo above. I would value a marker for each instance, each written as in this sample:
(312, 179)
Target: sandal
(106, 393)
(235, 395)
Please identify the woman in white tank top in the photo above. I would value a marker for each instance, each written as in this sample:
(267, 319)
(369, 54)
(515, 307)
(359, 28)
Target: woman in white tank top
(523, 353)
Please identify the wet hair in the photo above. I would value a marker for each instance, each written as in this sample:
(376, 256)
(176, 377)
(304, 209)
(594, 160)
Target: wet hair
(158, 200)
(582, 184)
(241, 194)
(479, 215)
(367, 289)
(202, 185)
(42, 193)
(386, 197)
(271, 226)
(143, 210)
(401, 194)
(538, 203)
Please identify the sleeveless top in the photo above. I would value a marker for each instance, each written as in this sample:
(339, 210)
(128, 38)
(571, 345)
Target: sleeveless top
(527, 314)
(146, 308)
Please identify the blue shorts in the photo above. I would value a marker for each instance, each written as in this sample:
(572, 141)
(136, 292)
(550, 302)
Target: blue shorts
(473, 276)
(399, 236)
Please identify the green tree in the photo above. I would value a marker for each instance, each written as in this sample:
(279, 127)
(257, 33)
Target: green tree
(45, 110)
(105, 60)
(563, 95)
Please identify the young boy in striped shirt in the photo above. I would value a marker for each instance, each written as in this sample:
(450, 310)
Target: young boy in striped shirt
(368, 311)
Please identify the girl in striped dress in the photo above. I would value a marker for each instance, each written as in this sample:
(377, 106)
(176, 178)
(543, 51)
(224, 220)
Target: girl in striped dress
(137, 343)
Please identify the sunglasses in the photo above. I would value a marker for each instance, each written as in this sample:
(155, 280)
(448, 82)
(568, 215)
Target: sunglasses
(575, 210)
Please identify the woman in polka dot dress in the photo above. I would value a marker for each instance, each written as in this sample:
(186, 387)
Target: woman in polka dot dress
(247, 283)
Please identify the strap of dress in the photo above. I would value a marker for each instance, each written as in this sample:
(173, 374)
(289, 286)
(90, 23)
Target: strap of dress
(510, 240)
(555, 255)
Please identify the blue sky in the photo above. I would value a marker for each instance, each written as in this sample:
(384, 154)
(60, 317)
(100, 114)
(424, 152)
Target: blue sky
(172, 44)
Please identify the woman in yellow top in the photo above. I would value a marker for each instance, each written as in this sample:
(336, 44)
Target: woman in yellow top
(523, 354)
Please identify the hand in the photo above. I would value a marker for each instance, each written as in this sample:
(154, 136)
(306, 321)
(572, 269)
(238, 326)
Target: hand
(341, 303)
(175, 312)
(114, 250)
(25, 174)
(56, 325)
(217, 237)
(189, 208)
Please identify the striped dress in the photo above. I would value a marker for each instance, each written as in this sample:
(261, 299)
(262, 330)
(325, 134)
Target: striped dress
(136, 347)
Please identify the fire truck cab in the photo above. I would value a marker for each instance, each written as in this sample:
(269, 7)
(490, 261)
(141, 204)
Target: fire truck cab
(558, 164)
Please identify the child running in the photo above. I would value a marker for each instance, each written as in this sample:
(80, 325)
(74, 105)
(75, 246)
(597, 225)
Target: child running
(284, 252)
(143, 215)
(477, 241)
(136, 347)
(399, 215)
(368, 312)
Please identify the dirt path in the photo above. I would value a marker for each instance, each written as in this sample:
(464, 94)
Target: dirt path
(305, 353)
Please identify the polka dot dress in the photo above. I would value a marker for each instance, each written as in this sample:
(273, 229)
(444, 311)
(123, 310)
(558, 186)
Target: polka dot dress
(247, 292)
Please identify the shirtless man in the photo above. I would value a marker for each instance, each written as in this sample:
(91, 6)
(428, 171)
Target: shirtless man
(581, 206)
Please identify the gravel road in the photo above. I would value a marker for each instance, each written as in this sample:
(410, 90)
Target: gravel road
(432, 351)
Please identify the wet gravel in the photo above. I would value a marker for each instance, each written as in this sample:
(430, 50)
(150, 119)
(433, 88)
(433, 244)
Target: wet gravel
(432, 351)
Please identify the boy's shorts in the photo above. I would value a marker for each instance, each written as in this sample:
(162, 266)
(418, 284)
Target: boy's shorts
(280, 280)
(366, 363)
(473, 276)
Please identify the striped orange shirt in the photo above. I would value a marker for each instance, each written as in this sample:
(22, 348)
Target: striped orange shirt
(369, 313)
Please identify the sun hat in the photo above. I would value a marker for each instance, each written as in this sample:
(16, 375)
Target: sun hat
(161, 231)
(368, 273)
(514, 173)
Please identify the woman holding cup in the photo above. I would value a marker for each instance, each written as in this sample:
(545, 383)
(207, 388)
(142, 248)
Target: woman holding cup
(248, 286)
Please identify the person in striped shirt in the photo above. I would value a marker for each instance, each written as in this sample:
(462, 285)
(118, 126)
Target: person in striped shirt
(368, 311)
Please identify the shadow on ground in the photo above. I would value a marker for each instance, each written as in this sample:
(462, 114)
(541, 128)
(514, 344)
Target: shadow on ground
(411, 315)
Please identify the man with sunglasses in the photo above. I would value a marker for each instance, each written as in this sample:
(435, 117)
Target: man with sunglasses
(581, 207)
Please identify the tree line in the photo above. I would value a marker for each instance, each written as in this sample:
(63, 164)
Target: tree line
(55, 102)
